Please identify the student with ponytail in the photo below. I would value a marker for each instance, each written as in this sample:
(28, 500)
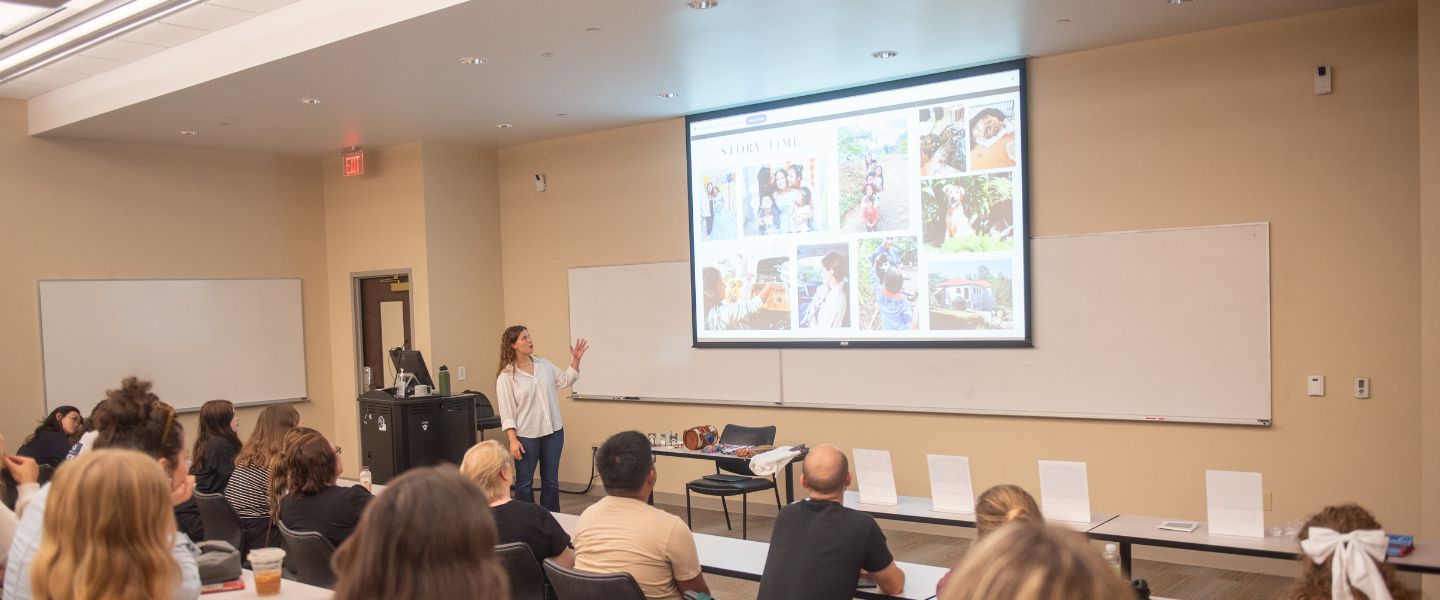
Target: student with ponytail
(997, 506)
(530, 412)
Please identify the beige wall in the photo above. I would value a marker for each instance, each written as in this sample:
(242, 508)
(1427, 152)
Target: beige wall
(1216, 127)
(79, 209)
(1429, 159)
(430, 209)
(374, 223)
(462, 215)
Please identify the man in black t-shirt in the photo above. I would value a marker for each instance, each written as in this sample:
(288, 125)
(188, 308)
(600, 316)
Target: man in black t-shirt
(819, 549)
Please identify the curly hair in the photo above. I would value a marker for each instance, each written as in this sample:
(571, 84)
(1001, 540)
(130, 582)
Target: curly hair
(1314, 580)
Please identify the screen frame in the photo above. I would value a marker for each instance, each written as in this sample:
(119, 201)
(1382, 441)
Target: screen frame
(1019, 65)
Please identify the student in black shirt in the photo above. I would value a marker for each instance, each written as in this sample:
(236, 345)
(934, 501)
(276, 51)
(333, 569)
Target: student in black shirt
(51, 440)
(213, 459)
(491, 467)
(819, 549)
(306, 474)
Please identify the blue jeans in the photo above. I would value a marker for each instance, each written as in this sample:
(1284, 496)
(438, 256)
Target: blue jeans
(544, 451)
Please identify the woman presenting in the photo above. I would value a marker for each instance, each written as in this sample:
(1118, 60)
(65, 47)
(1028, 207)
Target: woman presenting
(530, 412)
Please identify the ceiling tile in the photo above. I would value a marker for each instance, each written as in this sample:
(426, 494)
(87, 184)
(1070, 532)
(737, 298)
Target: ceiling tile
(162, 34)
(255, 6)
(53, 77)
(88, 65)
(207, 17)
(122, 50)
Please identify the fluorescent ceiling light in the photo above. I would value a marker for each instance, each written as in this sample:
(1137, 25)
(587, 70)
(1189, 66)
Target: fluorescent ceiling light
(14, 17)
(73, 39)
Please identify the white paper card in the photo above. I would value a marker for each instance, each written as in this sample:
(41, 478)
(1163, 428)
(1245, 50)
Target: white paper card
(1235, 503)
(950, 488)
(875, 477)
(1064, 491)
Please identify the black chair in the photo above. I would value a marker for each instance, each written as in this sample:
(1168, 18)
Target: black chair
(742, 482)
(570, 584)
(219, 520)
(526, 580)
(485, 417)
(307, 557)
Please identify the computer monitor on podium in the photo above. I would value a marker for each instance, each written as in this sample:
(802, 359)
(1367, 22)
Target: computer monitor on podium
(410, 361)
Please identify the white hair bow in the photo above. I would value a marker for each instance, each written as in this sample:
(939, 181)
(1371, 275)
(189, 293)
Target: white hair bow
(1357, 558)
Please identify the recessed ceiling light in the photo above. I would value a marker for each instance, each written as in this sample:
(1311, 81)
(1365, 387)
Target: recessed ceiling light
(1179, 2)
(309, 100)
(187, 132)
(1063, 21)
(223, 124)
(562, 114)
(885, 54)
(703, 4)
(473, 60)
(668, 95)
(504, 125)
(594, 29)
(547, 55)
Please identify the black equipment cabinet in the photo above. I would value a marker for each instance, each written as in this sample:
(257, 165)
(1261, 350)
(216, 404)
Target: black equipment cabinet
(399, 433)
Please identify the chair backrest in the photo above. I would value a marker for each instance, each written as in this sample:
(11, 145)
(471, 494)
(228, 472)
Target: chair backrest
(741, 435)
(219, 519)
(570, 584)
(307, 556)
(526, 580)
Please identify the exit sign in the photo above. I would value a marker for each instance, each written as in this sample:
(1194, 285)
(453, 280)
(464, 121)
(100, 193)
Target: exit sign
(354, 163)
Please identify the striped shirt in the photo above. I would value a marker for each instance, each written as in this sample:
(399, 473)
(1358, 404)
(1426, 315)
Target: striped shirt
(248, 492)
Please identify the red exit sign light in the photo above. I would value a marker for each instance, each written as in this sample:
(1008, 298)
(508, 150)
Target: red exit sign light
(354, 163)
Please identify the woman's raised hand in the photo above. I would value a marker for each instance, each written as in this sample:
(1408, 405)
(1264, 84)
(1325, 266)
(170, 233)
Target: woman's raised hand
(578, 351)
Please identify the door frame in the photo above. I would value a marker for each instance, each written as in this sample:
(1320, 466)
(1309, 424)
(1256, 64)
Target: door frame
(357, 334)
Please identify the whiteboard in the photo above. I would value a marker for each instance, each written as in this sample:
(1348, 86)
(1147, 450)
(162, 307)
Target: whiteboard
(1165, 325)
(640, 316)
(241, 340)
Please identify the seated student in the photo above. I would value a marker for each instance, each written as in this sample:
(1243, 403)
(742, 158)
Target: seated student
(414, 544)
(1347, 540)
(307, 471)
(129, 418)
(819, 548)
(109, 532)
(248, 490)
(217, 445)
(26, 474)
(491, 467)
(622, 532)
(1033, 561)
(51, 440)
(997, 506)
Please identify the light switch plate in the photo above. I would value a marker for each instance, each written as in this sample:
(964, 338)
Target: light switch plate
(1362, 388)
(1315, 385)
(460, 374)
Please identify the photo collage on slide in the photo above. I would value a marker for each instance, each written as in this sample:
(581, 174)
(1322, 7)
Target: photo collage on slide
(869, 226)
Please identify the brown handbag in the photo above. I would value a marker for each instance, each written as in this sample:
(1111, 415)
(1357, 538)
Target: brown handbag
(700, 437)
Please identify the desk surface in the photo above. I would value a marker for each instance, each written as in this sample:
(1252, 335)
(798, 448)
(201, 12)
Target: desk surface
(289, 590)
(745, 559)
(919, 510)
(684, 452)
(1130, 528)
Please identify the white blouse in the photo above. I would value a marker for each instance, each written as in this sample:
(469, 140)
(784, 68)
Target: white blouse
(530, 404)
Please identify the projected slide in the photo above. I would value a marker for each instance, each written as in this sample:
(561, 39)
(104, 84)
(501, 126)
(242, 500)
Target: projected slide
(887, 215)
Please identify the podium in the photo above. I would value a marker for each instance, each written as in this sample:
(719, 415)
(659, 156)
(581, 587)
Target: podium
(399, 433)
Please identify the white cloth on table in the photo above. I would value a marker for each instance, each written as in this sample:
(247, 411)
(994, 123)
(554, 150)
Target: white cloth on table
(769, 463)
